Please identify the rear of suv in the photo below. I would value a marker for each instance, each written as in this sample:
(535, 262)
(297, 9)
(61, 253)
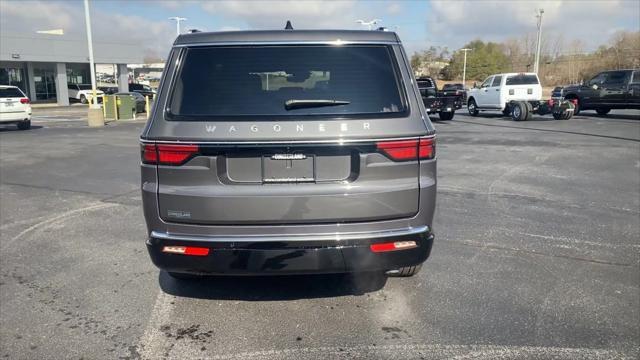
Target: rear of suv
(15, 107)
(288, 152)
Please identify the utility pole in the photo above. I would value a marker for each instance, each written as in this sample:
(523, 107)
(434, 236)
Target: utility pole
(87, 20)
(177, 20)
(536, 65)
(464, 68)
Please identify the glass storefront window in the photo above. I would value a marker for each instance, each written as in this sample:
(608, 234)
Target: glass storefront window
(13, 76)
(78, 74)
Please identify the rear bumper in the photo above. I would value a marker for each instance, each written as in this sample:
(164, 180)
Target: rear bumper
(290, 254)
(14, 117)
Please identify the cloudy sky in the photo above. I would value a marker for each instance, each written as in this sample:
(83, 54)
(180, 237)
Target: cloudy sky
(419, 23)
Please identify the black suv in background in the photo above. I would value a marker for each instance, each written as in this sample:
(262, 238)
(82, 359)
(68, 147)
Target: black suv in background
(144, 90)
(614, 89)
(288, 152)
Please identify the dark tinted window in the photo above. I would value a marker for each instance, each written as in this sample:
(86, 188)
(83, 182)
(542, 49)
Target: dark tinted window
(84, 87)
(496, 81)
(522, 80)
(425, 83)
(452, 87)
(616, 78)
(257, 81)
(10, 93)
(635, 77)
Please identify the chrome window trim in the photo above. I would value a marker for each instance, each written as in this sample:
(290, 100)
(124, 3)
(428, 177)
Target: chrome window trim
(292, 237)
(336, 42)
(284, 142)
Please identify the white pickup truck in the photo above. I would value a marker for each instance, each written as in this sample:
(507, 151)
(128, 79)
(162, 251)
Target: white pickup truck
(83, 93)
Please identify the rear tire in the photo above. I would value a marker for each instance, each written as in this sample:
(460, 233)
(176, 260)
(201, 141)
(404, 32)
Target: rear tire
(446, 115)
(576, 109)
(24, 125)
(408, 271)
(83, 99)
(529, 111)
(472, 107)
(520, 111)
(602, 112)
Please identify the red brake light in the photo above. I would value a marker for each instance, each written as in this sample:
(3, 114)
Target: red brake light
(404, 150)
(186, 250)
(393, 246)
(168, 154)
(24, 101)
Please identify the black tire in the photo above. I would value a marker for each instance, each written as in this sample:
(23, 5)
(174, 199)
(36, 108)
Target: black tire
(446, 115)
(529, 112)
(472, 107)
(24, 125)
(506, 111)
(408, 271)
(520, 111)
(576, 109)
(602, 111)
(184, 276)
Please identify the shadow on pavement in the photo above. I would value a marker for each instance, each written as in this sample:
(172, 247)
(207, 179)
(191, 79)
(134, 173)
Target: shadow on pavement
(613, 116)
(272, 288)
(13, 127)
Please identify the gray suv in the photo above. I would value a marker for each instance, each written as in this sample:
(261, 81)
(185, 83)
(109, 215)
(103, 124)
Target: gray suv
(288, 152)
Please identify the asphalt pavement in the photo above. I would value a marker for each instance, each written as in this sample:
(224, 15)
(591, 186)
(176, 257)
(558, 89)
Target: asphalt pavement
(537, 255)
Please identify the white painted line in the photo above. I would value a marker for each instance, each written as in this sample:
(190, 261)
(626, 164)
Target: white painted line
(153, 342)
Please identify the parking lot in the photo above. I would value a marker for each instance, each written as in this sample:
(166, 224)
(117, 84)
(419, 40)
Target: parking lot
(537, 255)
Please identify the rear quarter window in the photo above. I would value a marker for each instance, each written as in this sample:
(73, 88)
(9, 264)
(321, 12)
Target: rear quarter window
(255, 82)
(522, 80)
(11, 93)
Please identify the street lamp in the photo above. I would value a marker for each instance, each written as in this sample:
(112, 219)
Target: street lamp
(539, 13)
(464, 68)
(178, 20)
(368, 23)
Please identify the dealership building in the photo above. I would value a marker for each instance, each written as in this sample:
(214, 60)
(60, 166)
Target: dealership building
(43, 65)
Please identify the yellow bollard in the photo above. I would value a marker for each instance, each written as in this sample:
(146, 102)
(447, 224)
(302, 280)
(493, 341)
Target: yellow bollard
(146, 105)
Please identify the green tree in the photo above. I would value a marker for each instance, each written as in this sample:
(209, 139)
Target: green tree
(483, 60)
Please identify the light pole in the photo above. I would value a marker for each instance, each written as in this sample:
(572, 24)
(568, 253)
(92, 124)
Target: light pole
(464, 68)
(92, 70)
(539, 13)
(368, 23)
(177, 20)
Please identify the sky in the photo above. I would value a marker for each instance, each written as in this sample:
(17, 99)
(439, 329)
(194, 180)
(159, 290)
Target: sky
(420, 24)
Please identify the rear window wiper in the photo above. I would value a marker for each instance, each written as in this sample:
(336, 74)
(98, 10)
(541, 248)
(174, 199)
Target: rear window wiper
(309, 103)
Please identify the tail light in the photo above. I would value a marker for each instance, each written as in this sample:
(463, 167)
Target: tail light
(168, 154)
(405, 150)
(24, 101)
(511, 92)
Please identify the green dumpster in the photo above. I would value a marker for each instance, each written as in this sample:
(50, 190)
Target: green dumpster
(109, 106)
(126, 107)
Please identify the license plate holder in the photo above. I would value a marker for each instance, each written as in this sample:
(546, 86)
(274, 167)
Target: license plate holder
(288, 168)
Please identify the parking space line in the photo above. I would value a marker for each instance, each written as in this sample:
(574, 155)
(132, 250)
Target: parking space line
(152, 343)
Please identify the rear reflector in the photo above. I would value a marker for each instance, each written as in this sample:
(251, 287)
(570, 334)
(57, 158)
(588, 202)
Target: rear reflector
(24, 101)
(393, 246)
(168, 154)
(404, 150)
(186, 250)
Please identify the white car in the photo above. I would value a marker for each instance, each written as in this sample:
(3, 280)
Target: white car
(500, 90)
(83, 93)
(15, 107)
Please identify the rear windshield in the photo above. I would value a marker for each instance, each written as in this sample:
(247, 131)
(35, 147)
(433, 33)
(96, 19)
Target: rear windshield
(425, 83)
(452, 87)
(522, 80)
(10, 93)
(84, 87)
(257, 82)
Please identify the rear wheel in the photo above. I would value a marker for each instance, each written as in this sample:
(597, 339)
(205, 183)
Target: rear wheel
(529, 111)
(24, 125)
(519, 111)
(602, 111)
(472, 107)
(408, 271)
(576, 109)
(446, 115)
(83, 99)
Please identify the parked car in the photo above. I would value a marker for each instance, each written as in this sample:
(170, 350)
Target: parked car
(309, 156)
(455, 90)
(613, 89)
(83, 93)
(518, 95)
(436, 101)
(144, 90)
(108, 90)
(15, 107)
(141, 103)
